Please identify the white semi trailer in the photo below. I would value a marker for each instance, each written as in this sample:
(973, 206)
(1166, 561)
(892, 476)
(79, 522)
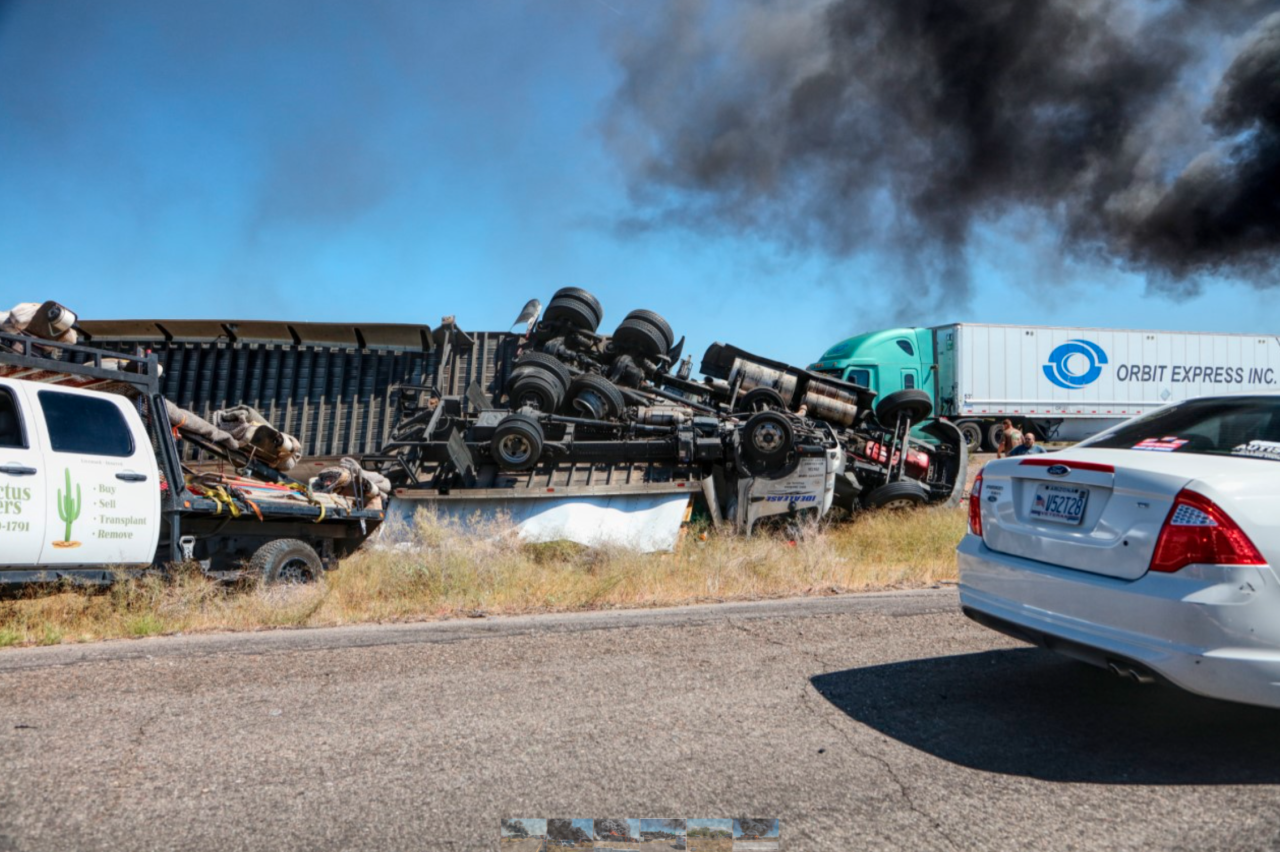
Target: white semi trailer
(1064, 383)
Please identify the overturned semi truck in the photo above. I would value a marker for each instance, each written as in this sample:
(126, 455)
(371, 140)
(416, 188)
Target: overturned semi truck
(582, 415)
(564, 428)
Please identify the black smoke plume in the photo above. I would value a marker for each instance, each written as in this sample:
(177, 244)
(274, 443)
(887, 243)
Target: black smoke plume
(658, 829)
(1147, 133)
(614, 829)
(564, 829)
(755, 827)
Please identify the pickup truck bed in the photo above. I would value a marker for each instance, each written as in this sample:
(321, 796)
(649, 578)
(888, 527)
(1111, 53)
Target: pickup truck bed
(91, 482)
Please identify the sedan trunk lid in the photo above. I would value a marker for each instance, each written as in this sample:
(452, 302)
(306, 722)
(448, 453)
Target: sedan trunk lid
(1090, 510)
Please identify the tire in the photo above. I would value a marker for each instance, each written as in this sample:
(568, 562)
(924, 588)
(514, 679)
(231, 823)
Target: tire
(642, 336)
(517, 442)
(580, 295)
(547, 362)
(537, 389)
(995, 432)
(596, 397)
(913, 402)
(657, 322)
(767, 438)
(571, 312)
(287, 561)
(971, 431)
(760, 399)
(903, 494)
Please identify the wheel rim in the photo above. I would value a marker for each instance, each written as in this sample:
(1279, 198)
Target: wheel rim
(515, 449)
(295, 571)
(592, 404)
(767, 437)
(899, 503)
(531, 399)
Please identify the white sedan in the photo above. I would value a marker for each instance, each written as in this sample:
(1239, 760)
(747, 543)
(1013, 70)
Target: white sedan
(1148, 549)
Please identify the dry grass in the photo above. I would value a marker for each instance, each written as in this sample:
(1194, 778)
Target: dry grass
(446, 572)
(710, 844)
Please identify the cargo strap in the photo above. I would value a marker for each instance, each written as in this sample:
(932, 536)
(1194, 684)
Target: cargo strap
(305, 491)
(222, 495)
(221, 498)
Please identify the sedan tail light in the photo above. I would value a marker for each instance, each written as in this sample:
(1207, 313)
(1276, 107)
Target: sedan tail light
(1198, 532)
(975, 507)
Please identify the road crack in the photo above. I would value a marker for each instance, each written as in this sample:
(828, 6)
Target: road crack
(807, 690)
(903, 790)
(826, 664)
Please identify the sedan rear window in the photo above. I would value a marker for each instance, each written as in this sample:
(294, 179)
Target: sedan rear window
(1246, 426)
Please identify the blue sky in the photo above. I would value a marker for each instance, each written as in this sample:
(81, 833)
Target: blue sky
(387, 161)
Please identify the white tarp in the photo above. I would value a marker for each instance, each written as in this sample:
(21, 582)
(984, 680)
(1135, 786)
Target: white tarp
(641, 522)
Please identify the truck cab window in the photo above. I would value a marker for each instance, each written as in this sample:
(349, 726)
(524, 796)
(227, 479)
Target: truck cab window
(859, 377)
(908, 381)
(10, 425)
(905, 346)
(85, 425)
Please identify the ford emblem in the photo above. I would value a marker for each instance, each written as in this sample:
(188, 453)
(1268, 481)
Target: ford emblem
(1058, 470)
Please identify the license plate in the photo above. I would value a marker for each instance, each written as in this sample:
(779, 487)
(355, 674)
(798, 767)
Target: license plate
(1061, 504)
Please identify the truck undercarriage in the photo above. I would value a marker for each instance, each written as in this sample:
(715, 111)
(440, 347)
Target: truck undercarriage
(576, 412)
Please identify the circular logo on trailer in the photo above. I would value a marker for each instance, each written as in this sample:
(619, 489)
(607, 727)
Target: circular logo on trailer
(1075, 364)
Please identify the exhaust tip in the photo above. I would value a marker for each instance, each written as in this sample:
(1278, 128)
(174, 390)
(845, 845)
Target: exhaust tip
(1134, 673)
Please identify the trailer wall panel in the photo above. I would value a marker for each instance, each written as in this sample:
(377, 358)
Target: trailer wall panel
(1084, 373)
(337, 400)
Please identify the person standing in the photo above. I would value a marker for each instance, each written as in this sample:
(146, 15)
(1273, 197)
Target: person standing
(1009, 439)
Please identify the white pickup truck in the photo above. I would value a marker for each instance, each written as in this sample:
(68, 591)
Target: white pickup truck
(91, 482)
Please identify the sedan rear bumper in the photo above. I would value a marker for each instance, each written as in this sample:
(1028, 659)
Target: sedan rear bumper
(1213, 630)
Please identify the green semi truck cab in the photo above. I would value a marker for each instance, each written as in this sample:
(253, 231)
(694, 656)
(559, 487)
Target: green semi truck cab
(895, 359)
(885, 361)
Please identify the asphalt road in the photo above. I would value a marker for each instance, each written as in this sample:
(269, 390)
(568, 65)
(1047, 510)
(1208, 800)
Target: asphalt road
(877, 721)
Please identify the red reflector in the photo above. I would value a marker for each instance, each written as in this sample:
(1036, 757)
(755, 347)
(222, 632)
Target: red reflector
(975, 506)
(1074, 465)
(1198, 532)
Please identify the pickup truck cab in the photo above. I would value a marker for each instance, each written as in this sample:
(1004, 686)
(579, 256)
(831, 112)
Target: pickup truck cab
(92, 482)
(79, 481)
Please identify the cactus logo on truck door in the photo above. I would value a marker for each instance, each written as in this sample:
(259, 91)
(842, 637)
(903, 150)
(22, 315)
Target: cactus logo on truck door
(1075, 364)
(68, 511)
